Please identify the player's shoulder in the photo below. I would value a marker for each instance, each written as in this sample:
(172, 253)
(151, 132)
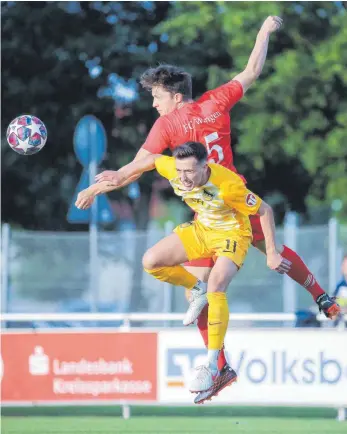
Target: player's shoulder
(165, 160)
(161, 122)
(168, 123)
(204, 98)
(166, 166)
(220, 175)
(232, 85)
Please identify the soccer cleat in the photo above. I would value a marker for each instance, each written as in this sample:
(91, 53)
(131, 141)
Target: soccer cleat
(204, 379)
(198, 300)
(328, 306)
(226, 378)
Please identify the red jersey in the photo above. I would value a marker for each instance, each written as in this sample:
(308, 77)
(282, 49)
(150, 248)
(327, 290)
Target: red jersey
(206, 120)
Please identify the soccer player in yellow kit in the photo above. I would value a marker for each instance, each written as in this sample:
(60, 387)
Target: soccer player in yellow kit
(222, 230)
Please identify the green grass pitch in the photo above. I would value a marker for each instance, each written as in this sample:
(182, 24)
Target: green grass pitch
(202, 420)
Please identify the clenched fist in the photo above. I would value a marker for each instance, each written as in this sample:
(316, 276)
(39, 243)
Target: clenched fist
(276, 262)
(85, 199)
(271, 24)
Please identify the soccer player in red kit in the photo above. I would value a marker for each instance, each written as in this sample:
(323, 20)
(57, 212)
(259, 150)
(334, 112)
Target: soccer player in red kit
(207, 121)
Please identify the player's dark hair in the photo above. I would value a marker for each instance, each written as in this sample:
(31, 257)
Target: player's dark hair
(172, 78)
(191, 149)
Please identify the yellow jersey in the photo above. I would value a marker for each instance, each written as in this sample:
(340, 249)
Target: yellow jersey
(223, 203)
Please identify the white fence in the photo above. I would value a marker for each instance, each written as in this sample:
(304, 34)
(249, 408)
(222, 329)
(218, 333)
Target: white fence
(127, 319)
(51, 272)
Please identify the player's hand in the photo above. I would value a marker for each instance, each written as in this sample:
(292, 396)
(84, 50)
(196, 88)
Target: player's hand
(276, 262)
(110, 176)
(85, 199)
(271, 24)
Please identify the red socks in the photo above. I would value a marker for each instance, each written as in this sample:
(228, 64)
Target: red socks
(202, 326)
(298, 272)
(301, 274)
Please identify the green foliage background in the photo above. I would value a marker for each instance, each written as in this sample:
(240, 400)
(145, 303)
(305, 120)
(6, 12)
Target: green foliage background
(289, 132)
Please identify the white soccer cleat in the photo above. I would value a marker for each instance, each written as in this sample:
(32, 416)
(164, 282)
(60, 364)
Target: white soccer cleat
(198, 300)
(204, 379)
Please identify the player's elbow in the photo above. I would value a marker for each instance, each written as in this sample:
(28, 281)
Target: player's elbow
(253, 73)
(247, 77)
(264, 209)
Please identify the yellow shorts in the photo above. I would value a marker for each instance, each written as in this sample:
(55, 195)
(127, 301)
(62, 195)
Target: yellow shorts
(202, 242)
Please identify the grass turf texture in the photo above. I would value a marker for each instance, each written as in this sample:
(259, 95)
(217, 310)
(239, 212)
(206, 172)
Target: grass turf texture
(170, 420)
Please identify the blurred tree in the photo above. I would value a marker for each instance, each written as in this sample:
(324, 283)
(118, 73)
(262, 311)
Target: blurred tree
(292, 126)
(60, 61)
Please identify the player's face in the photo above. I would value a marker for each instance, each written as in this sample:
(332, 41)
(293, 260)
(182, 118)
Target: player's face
(191, 172)
(164, 101)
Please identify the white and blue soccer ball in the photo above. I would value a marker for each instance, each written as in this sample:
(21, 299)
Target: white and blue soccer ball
(26, 134)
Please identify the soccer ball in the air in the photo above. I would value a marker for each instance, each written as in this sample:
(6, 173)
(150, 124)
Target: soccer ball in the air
(26, 134)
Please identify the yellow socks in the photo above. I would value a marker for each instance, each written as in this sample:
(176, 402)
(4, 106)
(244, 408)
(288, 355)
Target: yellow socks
(218, 318)
(176, 275)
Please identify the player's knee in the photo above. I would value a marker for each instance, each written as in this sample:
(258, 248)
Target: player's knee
(217, 284)
(217, 288)
(150, 260)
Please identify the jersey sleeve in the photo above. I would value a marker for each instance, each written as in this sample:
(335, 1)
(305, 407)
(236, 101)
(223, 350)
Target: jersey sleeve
(166, 167)
(158, 139)
(237, 195)
(226, 96)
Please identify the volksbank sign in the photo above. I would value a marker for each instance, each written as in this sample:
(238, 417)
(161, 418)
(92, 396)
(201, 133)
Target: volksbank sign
(274, 366)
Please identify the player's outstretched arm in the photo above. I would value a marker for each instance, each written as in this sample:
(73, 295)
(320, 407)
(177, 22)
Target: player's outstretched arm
(125, 175)
(113, 176)
(85, 198)
(274, 260)
(257, 58)
(135, 169)
(157, 141)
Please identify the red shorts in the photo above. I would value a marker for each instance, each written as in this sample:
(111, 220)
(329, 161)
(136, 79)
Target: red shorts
(257, 233)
